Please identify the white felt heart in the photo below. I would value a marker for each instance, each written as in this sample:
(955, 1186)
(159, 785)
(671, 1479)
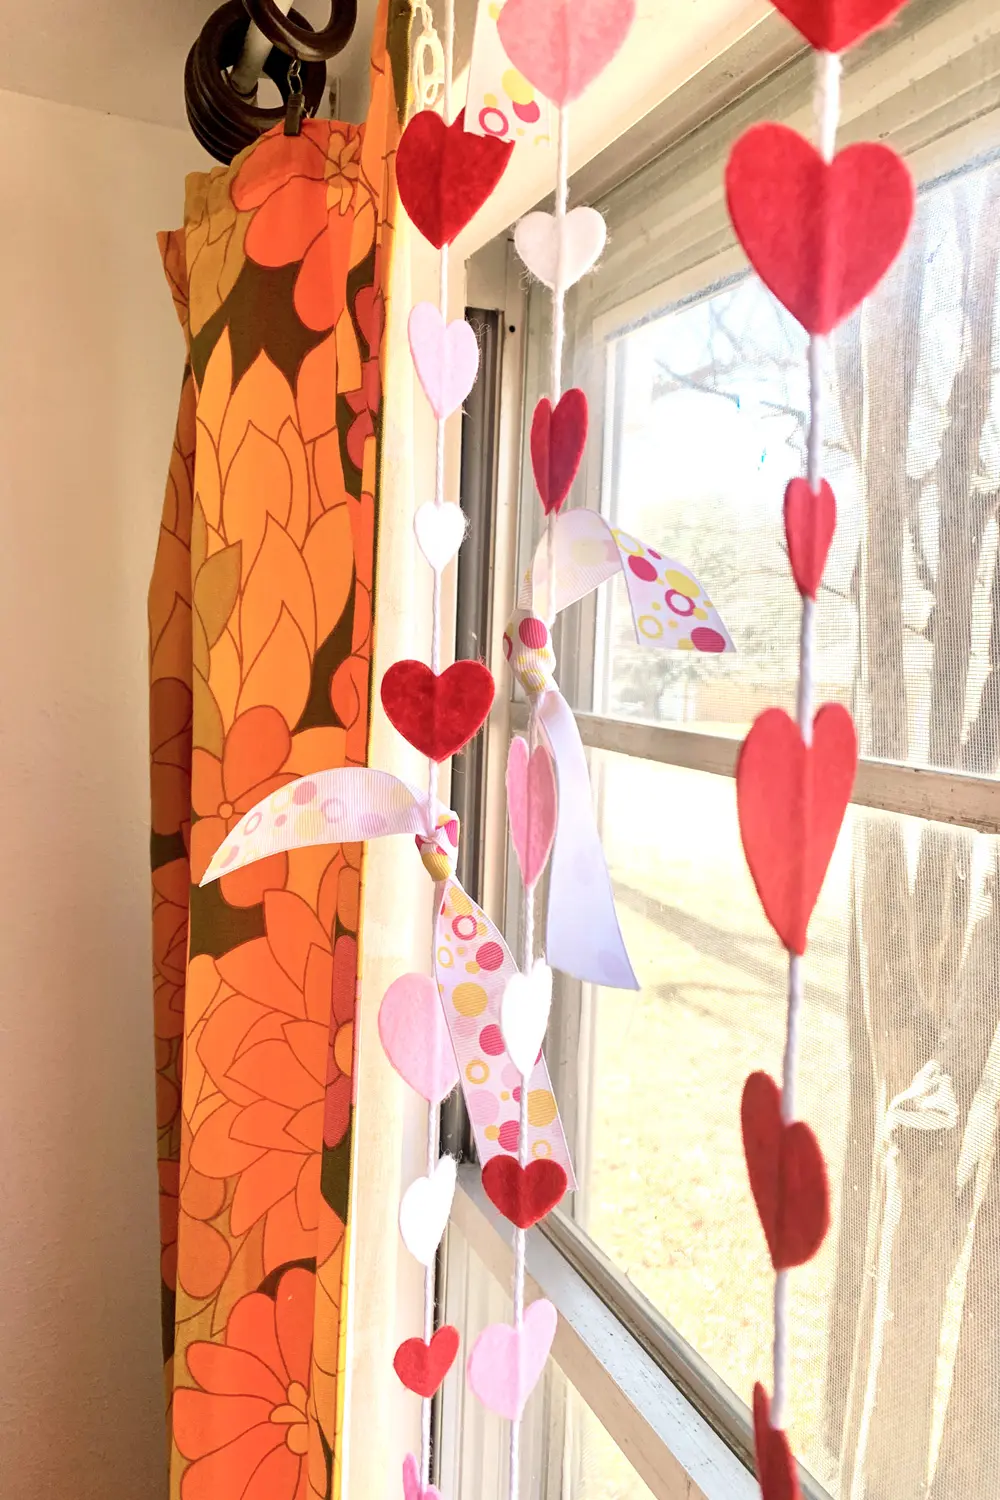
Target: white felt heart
(446, 357)
(440, 531)
(537, 237)
(524, 1015)
(424, 1211)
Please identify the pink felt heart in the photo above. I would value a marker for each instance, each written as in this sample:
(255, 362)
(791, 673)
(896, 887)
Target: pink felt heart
(562, 45)
(506, 1363)
(821, 235)
(413, 1488)
(446, 358)
(531, 804)
(415, 1037)
(810, 521)
(832, 25)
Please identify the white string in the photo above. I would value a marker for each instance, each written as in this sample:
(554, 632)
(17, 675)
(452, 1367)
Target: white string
(528, 891)
(826, 105)
(433, 1117)
(427, 59)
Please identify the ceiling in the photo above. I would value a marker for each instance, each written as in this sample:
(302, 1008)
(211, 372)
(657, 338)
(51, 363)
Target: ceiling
(126, 57)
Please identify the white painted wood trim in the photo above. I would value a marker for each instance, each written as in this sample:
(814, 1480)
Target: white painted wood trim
(665, 1439)
(914, 791)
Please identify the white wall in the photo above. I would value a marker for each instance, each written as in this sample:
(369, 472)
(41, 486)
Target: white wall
(90, 364)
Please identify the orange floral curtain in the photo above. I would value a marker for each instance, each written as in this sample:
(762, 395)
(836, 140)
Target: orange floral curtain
(260, 615)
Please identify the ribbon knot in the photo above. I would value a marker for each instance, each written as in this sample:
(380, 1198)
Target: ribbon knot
(439, 851)
(527, 645)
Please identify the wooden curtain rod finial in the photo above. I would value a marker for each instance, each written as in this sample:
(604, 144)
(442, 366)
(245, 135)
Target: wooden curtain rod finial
(296, 37)
(224, 121)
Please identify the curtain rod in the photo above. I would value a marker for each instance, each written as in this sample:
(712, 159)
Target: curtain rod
(244, 76)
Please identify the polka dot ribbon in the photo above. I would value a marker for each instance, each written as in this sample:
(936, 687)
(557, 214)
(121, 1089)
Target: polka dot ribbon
(472, 963)
(670, 611)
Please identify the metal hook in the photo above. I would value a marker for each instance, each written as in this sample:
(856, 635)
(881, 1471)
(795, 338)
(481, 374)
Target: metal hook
(296, 106)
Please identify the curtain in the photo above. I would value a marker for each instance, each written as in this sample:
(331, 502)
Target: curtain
(260, 618)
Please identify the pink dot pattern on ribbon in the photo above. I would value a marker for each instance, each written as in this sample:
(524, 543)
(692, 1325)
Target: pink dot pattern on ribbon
(472, 966)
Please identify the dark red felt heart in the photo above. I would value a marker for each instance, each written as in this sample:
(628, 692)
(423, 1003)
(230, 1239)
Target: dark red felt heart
(444, 175)
(437, 715)
(558, 438)
(832, 25)
(791, 802)
(777, 1471)
(787, 1175)
(820, 234)
(422, 1367)
(524, 1194)
(810, 521)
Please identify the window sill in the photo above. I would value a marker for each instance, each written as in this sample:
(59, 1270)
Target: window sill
(675, 1451)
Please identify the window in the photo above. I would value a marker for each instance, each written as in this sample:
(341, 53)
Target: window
(697, 387)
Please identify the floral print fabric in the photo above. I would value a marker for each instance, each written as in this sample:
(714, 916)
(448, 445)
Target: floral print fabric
(260, 616)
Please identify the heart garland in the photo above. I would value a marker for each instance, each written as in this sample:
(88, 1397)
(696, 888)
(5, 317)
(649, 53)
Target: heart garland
(560, 47)
(821, 229)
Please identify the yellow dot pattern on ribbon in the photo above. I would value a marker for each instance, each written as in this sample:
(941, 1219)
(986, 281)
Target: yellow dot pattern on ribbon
(541, 1107)
(469, 999)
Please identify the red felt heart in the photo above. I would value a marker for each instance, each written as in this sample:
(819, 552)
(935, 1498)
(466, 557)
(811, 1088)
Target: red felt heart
(820, 234)
(444, 175)
(524, 1194)
(810, 521)
(791, 802)
(787, 1175)
(777, 1471)
(437, 715)
(558, 438)
(422, 1367)
(832, 25)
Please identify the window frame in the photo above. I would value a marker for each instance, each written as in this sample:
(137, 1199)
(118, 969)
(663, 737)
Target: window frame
(672, 1417)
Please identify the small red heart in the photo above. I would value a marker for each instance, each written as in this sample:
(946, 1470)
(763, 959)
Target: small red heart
(558, 438)
(422, 1367)
(524, 1194)
(833, 25)
(820, 234)
(444, 175)
(437, 715)
(810, 521)
(787, 1175)
(777, 1471)
(791, 802)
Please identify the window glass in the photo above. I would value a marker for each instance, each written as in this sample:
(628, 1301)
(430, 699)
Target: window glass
(565, 1452)
(705, 421)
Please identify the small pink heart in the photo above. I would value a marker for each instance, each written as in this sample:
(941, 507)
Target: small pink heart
(446, 358)
(563, 45)
(531, 804)
(415, 1037)
(506, 1363)
(412, 1487)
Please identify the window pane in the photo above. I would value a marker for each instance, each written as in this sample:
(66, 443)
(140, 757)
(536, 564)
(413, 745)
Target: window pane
(565, 1452)
(665, 1190)
(706, 409)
